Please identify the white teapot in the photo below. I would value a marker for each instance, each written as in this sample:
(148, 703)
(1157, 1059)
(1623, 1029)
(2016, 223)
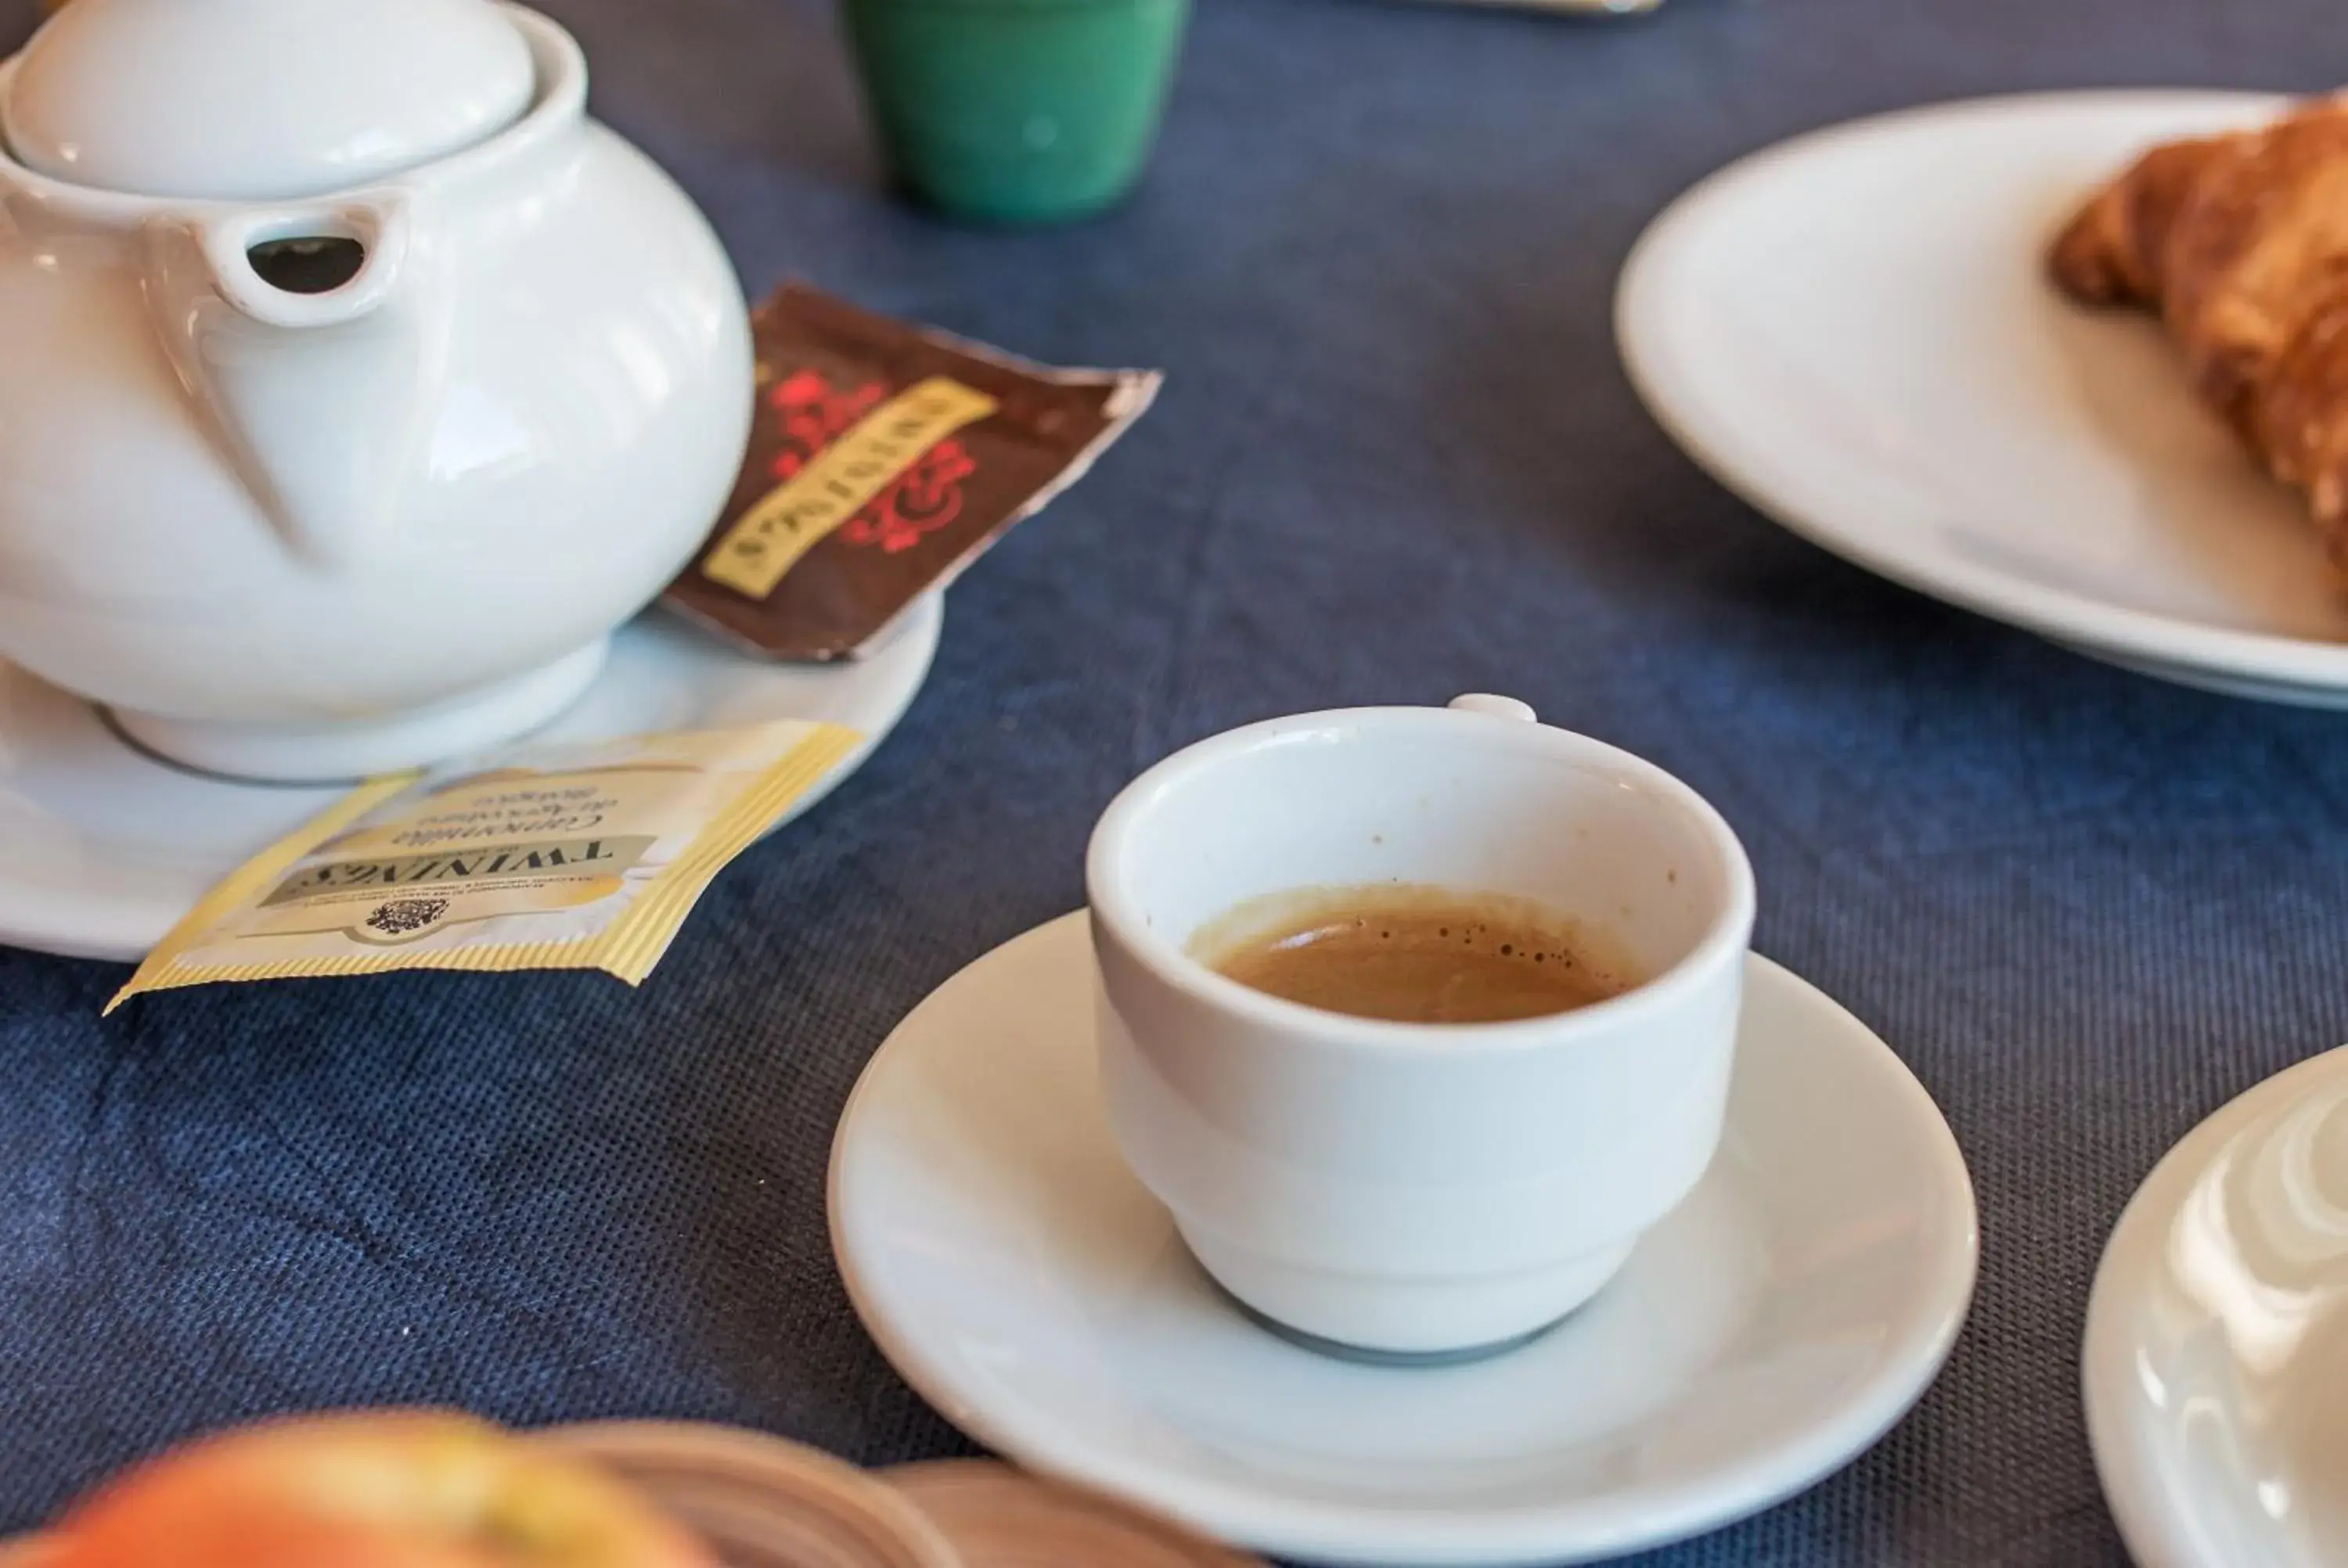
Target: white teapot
(355, 385)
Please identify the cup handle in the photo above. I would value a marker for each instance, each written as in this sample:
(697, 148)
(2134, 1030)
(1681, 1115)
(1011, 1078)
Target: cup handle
(1498, 707)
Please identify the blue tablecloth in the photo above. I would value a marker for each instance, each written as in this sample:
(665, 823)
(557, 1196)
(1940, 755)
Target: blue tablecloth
(1396, 460)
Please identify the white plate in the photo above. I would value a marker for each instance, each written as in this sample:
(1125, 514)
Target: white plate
(2218, 1337)
(1855, 332)
(1023, 1281)
(103, 848)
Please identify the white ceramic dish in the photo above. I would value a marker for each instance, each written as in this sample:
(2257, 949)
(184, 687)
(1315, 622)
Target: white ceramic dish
(1855, 332)
(1022, 1279)
(2217, 1335)
(103, 848)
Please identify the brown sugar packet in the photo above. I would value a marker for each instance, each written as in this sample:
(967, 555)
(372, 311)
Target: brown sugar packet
(884, 458)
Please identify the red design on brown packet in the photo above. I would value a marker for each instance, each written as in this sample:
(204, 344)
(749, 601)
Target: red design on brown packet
(925, 497)
(884, 459)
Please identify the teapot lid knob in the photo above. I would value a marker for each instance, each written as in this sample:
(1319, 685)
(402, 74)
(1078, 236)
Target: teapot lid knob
(1498, 707)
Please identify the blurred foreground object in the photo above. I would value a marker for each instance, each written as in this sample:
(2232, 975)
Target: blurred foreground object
(762, 1501)
(1575, 7)
(1000, 1517)
(391, 1489)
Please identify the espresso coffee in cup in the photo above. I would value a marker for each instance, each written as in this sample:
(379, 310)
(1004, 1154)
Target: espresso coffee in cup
(1415, 952)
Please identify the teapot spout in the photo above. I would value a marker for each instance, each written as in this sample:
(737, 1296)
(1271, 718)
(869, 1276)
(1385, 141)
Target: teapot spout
(305, 340)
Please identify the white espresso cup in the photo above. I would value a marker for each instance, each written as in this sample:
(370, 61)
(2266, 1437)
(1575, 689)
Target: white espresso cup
(1415, 1189)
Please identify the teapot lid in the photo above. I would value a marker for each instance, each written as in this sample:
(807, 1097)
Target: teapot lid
(248, 100)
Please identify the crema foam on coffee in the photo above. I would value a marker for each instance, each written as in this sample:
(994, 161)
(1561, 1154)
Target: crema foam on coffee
(1416, 953)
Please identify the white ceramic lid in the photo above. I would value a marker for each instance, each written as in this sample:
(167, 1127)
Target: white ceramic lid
(245, 99)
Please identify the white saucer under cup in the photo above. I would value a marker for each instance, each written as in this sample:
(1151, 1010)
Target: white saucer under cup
(1855, 331)
(103, 847)
(1769, 1329)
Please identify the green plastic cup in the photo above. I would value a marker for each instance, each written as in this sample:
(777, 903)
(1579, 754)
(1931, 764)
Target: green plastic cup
(1017, 111)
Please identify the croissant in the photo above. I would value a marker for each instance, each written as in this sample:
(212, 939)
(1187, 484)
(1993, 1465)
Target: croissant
(2241, 244)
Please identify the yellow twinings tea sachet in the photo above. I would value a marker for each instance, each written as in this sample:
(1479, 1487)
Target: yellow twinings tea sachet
(557, 856)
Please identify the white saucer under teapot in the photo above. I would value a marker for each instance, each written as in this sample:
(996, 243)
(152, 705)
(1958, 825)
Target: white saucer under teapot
(358, 385)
